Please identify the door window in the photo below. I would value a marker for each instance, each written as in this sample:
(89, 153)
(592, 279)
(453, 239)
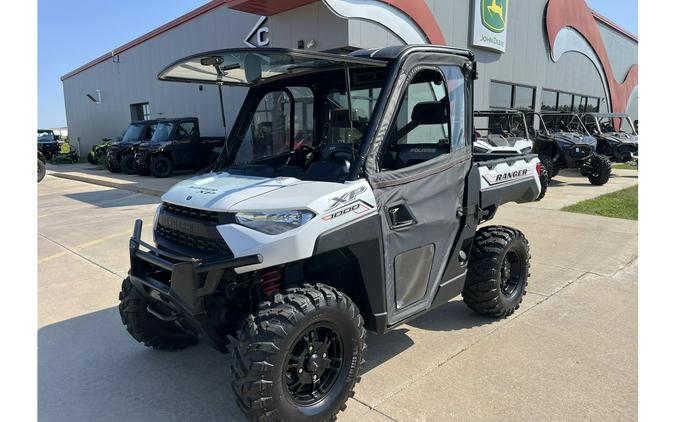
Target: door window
(421, 128)
(186, 130)
(457, 100)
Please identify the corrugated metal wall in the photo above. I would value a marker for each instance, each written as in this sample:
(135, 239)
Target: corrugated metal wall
(133, 80)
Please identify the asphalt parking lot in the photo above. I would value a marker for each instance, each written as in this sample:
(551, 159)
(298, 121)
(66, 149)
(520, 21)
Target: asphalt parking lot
(569, 353)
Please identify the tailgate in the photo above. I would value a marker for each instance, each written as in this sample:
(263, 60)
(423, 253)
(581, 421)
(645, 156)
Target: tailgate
(511, 179)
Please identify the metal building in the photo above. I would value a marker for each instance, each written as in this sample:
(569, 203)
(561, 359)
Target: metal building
(537, 54)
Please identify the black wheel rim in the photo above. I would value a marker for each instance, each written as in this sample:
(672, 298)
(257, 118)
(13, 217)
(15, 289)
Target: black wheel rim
(511, 273)
(160, 167)
(314, 364)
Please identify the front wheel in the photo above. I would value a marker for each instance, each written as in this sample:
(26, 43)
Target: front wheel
(112, 166)
(499, 267)
(127, 164)
(161, 166)
(544, 180)
(147, 328)
(92, 159)
(298, 357)
(42, 170)
(599, 170)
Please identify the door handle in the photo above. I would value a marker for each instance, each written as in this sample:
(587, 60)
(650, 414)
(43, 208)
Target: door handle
(400, 217)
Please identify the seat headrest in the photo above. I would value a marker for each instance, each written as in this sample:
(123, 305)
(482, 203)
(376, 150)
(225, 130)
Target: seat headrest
(430, 113)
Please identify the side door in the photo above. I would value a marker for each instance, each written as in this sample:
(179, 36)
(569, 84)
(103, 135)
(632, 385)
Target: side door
(185, 145)
(424, 161)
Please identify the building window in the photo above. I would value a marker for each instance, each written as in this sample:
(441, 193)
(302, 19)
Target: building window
(503, 95)
(593, 105)
(140, 111)
(549, 100)
(563, 101)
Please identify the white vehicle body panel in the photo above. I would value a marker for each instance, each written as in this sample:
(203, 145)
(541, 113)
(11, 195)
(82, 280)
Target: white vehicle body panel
(520, 146)
(334, 204)
(506, 174)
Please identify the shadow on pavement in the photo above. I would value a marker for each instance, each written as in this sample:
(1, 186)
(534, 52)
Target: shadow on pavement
(89, 368)
(453, 316)
(113, 198)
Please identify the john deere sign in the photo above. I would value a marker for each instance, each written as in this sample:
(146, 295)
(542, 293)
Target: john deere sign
(490, 19)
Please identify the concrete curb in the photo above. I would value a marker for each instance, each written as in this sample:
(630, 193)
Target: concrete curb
(106, 182)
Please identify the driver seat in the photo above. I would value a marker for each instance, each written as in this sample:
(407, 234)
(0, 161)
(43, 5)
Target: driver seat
(334, 170)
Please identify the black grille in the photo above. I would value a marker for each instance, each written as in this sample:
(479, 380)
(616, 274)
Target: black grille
(210, 217)
(579, 151)
(201, 244)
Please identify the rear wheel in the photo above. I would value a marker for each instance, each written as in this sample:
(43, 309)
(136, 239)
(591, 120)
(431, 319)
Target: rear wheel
(147, 328)
(127, 164)
(599, 170)
(499, 267)
(298, 357)
(161, 166)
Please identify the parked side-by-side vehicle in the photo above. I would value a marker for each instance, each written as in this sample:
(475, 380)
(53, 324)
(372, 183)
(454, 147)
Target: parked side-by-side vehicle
(347, 199)
(176, 144)
(615, 134)
(562, 142)
(505, 132)
(48, 143)
(120, 153)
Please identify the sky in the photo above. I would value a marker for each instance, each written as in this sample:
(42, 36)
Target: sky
(74, 32)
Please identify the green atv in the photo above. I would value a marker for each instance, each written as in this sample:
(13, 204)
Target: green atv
(98, 152)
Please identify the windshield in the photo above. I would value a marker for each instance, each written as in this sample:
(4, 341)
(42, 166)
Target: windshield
(249, 66)
(564, 123)
(291, 127)
(133, 133)
(509, 125)
(162, 132)
(45, 136)
(608, 124)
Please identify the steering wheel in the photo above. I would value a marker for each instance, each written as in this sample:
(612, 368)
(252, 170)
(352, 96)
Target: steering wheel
(330, 151)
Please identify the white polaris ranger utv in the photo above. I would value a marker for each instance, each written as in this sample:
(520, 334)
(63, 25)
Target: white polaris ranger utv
(347, 198)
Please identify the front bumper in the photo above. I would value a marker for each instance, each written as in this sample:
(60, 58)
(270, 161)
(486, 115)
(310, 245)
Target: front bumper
(142, 158)
(181, 283)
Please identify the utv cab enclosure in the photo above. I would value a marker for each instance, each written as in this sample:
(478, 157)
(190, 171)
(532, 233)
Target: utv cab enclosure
(48, 143)
(347, 198)
(176, 144)
(120, 155)
(616, 135)
(562, 142)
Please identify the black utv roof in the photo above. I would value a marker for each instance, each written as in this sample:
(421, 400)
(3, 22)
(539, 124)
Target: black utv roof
(394, 52)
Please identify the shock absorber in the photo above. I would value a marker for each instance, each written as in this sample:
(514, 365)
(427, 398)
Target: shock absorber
(270, 282)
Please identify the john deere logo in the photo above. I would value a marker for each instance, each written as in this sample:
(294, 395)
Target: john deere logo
(493, 13)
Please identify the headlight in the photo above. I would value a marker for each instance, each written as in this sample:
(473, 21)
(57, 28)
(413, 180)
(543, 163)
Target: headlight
(274, 222)
(155, 220)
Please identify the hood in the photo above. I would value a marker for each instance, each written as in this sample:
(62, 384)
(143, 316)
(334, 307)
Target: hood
(621, 137)
(222, 191)
(574, 138)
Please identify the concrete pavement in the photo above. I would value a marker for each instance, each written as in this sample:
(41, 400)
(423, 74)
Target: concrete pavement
(569, 353)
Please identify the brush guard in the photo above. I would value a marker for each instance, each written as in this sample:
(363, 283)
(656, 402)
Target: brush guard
(187, 282)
